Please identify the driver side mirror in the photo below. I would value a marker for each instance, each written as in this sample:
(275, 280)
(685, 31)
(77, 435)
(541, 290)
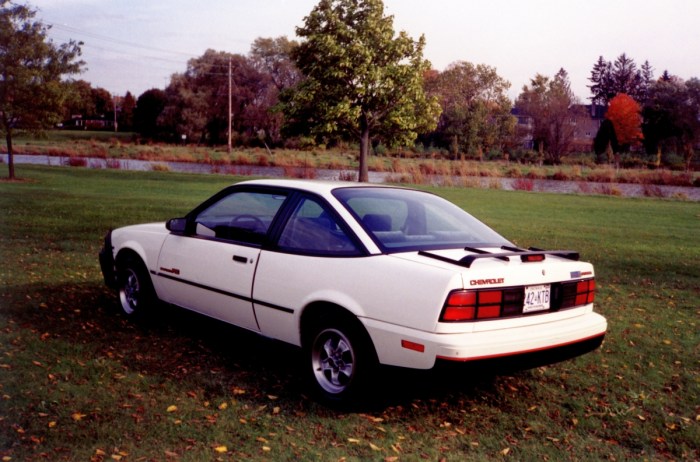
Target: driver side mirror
(177, 225)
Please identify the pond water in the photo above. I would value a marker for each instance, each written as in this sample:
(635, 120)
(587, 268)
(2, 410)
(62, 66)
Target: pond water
(553, 186)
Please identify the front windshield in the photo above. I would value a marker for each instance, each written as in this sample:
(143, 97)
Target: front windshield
(404, 220)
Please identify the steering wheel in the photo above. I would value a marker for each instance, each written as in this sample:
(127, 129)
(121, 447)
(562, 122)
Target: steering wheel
(240, 221)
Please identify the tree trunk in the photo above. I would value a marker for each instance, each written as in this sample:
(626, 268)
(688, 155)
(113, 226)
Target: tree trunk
(364, 150)
(689, 152)
(10, 157)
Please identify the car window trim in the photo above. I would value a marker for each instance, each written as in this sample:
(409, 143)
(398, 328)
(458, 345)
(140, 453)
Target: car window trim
(282, 219)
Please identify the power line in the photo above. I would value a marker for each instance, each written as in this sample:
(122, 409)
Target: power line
(117, 41)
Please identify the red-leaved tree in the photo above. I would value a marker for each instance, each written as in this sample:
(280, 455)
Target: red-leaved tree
(626, 116)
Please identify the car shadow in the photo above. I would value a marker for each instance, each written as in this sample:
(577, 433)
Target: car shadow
(209, 355)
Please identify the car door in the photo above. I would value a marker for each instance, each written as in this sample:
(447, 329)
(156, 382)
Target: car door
(315, 255)
(210, 268)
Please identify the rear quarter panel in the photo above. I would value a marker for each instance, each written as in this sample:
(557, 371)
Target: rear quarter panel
(378, 287)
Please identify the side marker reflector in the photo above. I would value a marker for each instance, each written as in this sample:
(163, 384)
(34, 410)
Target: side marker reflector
(420, 348)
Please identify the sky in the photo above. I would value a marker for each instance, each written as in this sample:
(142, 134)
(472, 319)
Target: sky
(136, 45)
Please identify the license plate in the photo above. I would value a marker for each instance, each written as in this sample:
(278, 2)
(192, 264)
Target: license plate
(536, 298)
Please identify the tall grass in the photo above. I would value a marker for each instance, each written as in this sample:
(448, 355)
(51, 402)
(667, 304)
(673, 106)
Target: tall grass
(417, 168)
(79, 382)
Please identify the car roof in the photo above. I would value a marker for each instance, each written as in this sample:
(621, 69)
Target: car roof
(322, 187)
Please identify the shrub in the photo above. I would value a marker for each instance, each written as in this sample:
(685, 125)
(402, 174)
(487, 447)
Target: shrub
(602, 175)
(536, 174)
(347, 176)
(609, 190)
(652, 190)
(560, 175)
(514, 172)
(263, 160)
(76, 162)
(160, 167)
(299, 172)
(523, 184)
(113, 163)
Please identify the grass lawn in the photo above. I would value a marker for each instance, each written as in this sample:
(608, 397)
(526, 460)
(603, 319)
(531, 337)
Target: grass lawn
(80, 382)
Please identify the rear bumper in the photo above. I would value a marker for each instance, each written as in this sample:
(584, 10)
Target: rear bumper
(549, 341)
(526, 360)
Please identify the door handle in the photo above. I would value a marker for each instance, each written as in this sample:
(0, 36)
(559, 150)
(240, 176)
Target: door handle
(240, 259)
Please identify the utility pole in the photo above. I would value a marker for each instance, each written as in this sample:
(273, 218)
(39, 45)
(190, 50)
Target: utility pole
(230, 115)
(114, 101)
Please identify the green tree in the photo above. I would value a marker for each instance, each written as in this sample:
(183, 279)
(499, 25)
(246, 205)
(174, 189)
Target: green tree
(475, 107)
(148, 108)
(552, 104)
(609, 79)
(126, 112)
(672, 117)
(197, 100)
(272, 58)
(31, 67)
(361, 79)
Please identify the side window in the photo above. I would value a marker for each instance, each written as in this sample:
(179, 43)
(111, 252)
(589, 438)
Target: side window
(242, 216)
(312, 230)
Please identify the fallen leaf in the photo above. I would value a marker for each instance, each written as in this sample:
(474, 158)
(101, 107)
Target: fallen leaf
(171, 408)
(353, 440)
(374, 447)
(505, 451)
(78, 416)
(221, 449)
(223, 405)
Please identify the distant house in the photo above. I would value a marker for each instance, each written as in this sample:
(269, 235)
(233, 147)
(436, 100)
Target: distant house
(585, 118)
(78, 122)
(524, 128)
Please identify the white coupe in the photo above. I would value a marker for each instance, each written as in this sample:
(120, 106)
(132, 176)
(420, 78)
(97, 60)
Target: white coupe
(358, 275)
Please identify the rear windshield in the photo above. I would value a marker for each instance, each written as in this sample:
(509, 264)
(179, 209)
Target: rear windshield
(404, 220)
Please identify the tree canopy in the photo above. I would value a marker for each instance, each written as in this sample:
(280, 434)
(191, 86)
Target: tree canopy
(550, 102)
(360, 79)
(609, 79)
(625, 114)
(672, 117)
(31, 67)
(475, 107)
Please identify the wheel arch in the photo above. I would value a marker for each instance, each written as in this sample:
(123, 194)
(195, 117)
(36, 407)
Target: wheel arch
(127, 252)
(316, 313)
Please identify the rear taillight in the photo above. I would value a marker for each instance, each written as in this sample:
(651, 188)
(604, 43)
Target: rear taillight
(467, 305)
(577, 293)
(473, 305)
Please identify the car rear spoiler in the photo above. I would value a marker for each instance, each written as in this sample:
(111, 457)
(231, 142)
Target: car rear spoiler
(526, 255)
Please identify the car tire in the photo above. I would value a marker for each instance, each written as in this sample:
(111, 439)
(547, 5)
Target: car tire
(341, 360)
(136, 293)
